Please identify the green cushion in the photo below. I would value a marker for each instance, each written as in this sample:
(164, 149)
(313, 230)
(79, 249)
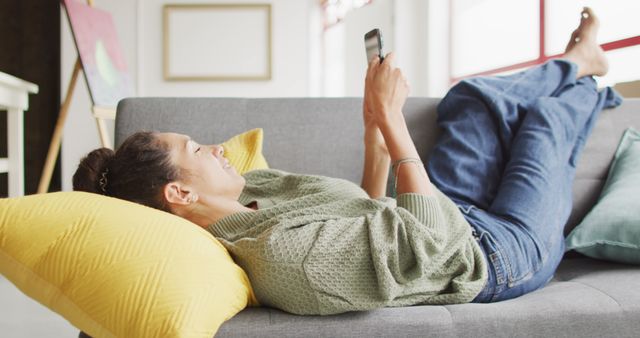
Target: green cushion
(611, 230)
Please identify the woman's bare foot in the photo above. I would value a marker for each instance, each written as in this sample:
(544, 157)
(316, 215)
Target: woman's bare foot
(583, 49)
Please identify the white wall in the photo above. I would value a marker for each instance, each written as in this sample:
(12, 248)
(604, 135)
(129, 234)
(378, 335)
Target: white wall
(416, 30)
(139, 28)
(437, 43)
(379, 14)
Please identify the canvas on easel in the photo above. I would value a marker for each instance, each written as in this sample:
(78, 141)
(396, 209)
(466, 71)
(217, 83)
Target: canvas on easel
(104, 67)
(105, 72)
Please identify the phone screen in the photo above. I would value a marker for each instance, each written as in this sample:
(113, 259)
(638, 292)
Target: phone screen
(373, 44)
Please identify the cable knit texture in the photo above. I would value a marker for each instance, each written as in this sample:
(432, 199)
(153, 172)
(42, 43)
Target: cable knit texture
(319, 246)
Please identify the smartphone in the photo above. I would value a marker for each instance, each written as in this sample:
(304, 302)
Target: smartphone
(373, 45)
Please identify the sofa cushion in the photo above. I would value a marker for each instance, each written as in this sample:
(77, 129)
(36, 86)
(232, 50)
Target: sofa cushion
(118, 269)
(244, 151)
(611, 230)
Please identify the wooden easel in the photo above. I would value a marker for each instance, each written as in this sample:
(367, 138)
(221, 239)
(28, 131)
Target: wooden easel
(99, 113)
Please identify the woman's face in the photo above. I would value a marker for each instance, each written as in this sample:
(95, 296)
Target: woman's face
(203, 167)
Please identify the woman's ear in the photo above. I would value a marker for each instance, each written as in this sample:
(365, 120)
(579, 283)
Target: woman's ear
(176, 193)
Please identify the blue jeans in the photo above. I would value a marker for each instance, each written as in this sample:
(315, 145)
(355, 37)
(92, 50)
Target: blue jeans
(507, 156)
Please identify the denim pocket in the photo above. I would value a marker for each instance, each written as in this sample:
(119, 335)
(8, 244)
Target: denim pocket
(514, 257)
(495, 258)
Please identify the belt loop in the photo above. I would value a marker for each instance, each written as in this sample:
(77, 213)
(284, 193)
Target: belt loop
(465, 209)
(474, 233)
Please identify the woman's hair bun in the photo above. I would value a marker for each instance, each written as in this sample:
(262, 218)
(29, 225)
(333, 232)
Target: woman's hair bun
(90, 171)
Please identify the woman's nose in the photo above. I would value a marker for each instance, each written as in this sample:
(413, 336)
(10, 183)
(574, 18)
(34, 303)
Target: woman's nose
(217, 149)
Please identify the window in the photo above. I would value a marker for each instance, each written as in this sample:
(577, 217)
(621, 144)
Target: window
(500, 36)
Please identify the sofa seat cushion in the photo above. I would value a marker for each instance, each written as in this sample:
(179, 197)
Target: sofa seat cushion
(587, 298)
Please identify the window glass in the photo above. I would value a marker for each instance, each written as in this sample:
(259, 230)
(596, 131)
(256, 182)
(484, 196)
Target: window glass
(488, 34)
(618, 18)
(624, 65)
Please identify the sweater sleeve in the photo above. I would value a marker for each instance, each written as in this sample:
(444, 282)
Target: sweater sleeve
(425, 208)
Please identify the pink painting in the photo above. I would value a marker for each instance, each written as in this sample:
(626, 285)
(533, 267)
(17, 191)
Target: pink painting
(102, 61)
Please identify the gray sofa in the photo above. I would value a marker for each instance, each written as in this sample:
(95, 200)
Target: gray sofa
(587, 297)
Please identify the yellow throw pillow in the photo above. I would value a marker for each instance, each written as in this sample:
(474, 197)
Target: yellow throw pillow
(113, 268)
(244, 151)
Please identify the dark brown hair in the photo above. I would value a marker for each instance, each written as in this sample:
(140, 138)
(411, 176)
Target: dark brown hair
(137, 171)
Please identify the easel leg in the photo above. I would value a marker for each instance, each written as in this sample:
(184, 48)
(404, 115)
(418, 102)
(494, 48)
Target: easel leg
(54, 146)
(104, 134)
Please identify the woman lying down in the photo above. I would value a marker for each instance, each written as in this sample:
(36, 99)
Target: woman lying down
(483, 222)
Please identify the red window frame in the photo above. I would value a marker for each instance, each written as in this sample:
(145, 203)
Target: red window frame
(542, 56)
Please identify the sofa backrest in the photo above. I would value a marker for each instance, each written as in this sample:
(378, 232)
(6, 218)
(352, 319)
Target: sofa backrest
(324, 136)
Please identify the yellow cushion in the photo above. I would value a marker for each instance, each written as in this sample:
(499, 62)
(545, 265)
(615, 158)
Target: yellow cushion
(244, 151)
(118, 269)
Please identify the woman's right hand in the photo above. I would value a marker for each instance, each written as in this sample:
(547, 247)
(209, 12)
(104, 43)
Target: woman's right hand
(386, 91)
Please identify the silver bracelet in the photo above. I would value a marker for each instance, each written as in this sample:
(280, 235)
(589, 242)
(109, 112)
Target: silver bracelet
(396, 169)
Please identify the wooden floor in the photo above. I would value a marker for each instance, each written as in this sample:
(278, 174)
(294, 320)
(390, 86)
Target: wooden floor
(22, 317)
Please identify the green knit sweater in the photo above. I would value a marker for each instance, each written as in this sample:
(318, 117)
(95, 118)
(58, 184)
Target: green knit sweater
(319, 245)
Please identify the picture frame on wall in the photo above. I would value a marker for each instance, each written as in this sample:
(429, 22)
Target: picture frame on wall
(217, 42)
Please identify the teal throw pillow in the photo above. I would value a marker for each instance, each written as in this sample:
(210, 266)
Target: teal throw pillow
(611, 230)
